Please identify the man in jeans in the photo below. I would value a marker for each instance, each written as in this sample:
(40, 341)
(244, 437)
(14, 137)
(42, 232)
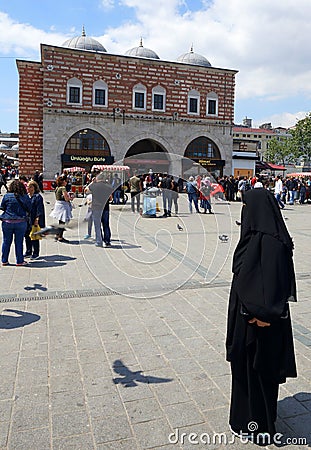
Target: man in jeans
(135, 186)
(101, 193)
(278, 189)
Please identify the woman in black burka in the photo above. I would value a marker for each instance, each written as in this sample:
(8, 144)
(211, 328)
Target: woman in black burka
(259, 340)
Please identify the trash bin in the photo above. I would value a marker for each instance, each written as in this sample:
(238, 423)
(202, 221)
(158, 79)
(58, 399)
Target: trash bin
(150, 200)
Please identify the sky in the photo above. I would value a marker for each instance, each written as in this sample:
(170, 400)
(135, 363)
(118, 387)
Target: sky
(268, 42)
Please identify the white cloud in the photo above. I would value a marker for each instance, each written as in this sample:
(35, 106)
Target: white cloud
(285, 119)
(22, 39)
(107, 4)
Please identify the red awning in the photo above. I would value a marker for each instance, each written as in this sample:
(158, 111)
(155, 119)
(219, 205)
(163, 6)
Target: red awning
(275, 166)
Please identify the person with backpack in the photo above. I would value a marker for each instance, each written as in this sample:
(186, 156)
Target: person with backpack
(166, 186)
(192, 191)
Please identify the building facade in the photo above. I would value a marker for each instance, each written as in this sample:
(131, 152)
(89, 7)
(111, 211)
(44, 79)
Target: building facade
(80, 105)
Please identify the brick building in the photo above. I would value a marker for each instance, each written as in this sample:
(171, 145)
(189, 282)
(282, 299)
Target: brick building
(80, 105)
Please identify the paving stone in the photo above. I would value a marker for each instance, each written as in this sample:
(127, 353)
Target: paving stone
(70, 424)
(111, 428)
(143, 410)
(34, 415)
(68, 401)
(80, 442)
(153, 433)
(4, 433)
(105, 405)
(183, 414)
(31, 439)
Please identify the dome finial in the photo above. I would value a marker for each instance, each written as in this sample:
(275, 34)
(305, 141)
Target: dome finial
(191, 48)
(83, 31)
(141, 42)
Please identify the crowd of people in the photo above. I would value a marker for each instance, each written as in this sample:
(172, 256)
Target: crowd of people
(23, 203)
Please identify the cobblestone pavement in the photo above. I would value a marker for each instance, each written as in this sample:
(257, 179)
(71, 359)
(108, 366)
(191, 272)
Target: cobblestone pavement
(123, 347)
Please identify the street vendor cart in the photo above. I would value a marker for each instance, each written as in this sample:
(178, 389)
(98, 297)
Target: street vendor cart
(76, 175)
(110, 171)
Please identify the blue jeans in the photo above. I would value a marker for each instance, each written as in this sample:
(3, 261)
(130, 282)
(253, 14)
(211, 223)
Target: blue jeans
(167, 201)
(192, 197)
(106, 227)
(18, 231)
(97, 215)
(291, 197)
(278, 198)
(116, 197)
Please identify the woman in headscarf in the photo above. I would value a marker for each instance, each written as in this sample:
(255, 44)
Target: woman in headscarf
(259, 340)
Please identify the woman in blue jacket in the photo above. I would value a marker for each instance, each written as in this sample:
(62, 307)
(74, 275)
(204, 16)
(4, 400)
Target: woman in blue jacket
(16, 206)
(37, 217)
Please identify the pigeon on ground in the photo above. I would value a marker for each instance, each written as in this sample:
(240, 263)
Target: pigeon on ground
(237, 223)
(223, 238)
(49, 230)
(179, 228)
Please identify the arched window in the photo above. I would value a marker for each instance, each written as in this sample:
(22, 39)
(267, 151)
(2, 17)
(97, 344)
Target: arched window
(212, 104)
(194, 102)
(202, 147)
(74, 92)
(139, 96)
(158, 98)
(100, 93)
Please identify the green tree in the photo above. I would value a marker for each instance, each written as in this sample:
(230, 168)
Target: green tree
(280, 151)
(302, 138)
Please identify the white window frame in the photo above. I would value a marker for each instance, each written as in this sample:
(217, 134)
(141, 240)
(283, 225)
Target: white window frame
(140, 89)
(159, 90)
(100, 84)
(212, 96)
(75, 83)
(194, 95)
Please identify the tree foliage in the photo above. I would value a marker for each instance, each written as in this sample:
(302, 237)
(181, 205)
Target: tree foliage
(302, 138)
(280, 151)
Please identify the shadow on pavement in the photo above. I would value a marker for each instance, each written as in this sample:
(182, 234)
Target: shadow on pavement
(22, 318)
(130, 379)
(35, 287)
(296, 412)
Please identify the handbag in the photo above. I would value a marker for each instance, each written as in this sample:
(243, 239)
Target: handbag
(32, 235)
(28, 217)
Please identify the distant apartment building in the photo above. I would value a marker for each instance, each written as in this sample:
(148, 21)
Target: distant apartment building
(250, 145)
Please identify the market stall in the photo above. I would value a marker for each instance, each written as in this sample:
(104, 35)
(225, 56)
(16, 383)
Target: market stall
(76, 175)
(110, 171)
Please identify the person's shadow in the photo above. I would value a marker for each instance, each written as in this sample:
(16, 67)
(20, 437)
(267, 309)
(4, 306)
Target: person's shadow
(19, 319)
(130, 379)
(295, 423)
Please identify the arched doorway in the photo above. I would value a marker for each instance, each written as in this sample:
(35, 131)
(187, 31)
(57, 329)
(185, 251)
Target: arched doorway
(205, 152)
(145, 155)
(85, 148)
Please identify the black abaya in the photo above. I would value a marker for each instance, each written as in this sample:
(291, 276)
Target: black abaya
(264, 281)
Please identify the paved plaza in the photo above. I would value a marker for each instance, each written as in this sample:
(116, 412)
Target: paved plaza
(123, 347)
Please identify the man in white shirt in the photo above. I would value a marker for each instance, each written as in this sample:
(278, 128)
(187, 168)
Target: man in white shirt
(278, 189)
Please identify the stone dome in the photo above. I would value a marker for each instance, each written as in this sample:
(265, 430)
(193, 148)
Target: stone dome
(194, 58)
(84, 42)
(142, 52)
(3, 146)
